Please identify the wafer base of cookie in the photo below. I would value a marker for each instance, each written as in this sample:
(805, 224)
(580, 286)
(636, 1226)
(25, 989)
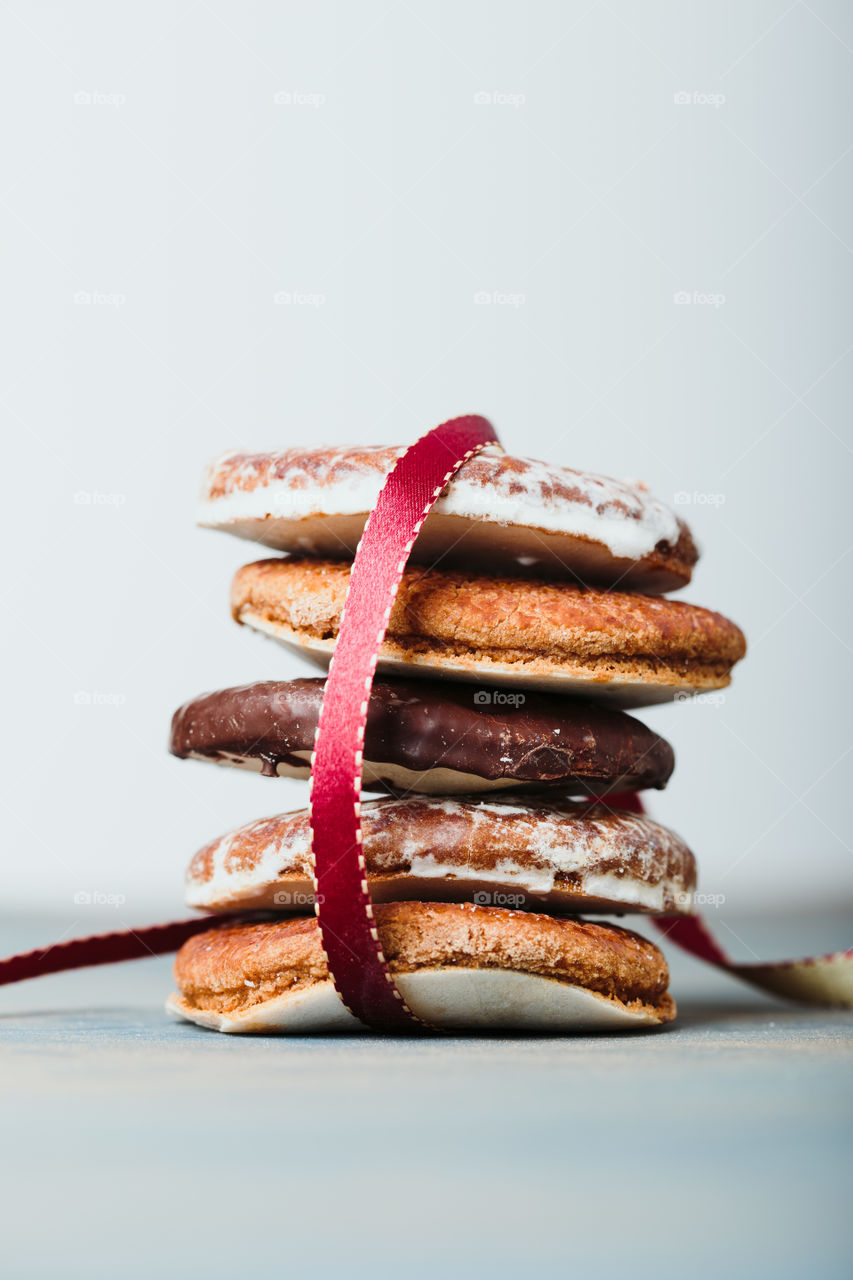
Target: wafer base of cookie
(450, 998)
(457, 966)
(627, 684)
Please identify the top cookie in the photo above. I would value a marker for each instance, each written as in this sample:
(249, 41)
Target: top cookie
(498, 512)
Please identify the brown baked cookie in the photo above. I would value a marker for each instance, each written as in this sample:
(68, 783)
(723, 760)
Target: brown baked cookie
(498, 512)
(626, 649)
(530, 854)
(433, 737)
(457, 966)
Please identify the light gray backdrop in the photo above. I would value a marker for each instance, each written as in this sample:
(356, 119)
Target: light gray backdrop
(620, 230)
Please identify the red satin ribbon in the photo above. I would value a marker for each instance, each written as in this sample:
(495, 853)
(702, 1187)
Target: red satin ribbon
(357, 964)
(103, 948)
(822, 980)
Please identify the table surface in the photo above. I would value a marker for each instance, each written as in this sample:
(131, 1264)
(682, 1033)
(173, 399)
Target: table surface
(136, 1144)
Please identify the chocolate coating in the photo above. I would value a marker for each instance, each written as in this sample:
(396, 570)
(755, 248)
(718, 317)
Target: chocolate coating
(530, 740)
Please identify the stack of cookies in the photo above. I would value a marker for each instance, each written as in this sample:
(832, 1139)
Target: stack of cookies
(531, 615)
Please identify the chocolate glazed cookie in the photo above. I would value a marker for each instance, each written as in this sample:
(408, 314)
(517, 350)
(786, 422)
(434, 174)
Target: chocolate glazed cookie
(432, 738)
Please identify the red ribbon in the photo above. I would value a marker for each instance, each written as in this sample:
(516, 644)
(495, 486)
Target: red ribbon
(822, 980)
(103, 948)
(360, 972)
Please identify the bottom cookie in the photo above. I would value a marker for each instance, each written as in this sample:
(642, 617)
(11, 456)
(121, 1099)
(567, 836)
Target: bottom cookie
(458, 966)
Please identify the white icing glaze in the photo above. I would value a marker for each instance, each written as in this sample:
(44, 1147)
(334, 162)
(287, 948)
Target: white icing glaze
(624, 518)
(554, 844)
